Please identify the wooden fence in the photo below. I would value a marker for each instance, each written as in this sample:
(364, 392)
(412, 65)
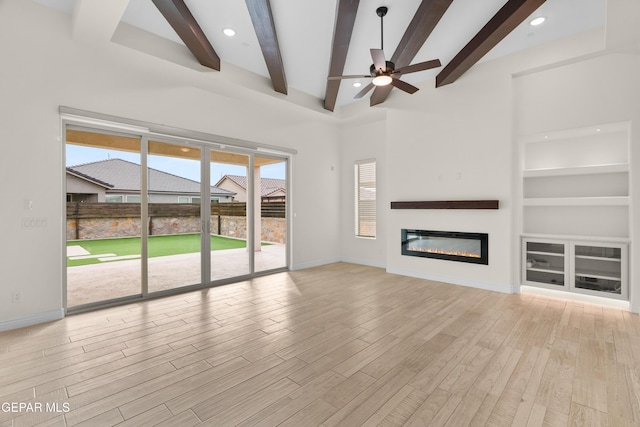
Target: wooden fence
(115, 220)
(77, 210)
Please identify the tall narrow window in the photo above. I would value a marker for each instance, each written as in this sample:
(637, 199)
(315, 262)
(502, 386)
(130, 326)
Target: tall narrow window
(365, 179)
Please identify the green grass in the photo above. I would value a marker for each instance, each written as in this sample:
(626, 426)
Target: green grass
(158, 246)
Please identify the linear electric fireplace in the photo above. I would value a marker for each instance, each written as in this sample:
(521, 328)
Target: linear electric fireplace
(449, 245)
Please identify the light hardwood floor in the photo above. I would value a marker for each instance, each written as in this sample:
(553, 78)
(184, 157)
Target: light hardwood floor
(335, 345)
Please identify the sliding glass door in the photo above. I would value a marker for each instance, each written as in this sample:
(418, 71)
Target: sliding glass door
(229, 219)
(149, 215)
(270, 213)
(174, 219)
(103, 221)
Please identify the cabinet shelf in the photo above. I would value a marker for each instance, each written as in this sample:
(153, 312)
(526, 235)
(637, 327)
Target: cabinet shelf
(564, 237)
(598, 258)
(598, 275)
(585, 167)
(576, 170)
(577, 201)
(547, 270)
(544, 253)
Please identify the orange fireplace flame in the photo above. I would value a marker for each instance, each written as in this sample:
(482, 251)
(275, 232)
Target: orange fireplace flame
(443, 252)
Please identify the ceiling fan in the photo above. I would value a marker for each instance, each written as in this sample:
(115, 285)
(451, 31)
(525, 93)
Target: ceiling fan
(384, 72)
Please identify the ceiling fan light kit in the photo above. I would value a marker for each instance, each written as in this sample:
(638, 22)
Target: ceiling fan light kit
(384, 72)
(382, 80)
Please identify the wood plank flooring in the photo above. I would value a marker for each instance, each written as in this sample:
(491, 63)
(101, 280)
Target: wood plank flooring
(338, 345)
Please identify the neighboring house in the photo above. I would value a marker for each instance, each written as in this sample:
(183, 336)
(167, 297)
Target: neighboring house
(271, 189)
(84, 188)
(118, 181)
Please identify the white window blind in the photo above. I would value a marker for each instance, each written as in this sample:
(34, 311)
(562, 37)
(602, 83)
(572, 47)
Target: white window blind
(365, 179)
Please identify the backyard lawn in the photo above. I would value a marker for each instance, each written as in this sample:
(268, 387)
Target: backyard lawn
(158, 246)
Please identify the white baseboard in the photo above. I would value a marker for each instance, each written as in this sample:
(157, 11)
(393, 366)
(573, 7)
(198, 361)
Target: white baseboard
(32, 320)
(573, 296)
(505, 289)
(634, 308)
(310, 264)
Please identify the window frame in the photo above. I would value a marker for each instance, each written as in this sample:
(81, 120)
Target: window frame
(110, 198)
(362, 211)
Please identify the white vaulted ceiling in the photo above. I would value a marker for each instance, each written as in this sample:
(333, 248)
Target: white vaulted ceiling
(305, 33)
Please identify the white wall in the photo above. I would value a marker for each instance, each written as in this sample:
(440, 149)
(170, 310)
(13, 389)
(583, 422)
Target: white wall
(44, 68)
(598, 90)
(453, 143)
(365, 138)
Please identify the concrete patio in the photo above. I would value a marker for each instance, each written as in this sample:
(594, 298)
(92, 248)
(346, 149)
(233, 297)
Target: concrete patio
(109, 280)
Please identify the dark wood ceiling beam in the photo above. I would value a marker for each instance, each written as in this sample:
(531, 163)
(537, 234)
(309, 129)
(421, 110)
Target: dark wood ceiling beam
(180, 18)
(346, 11)
(422, 25)
(262, 18)
(512, 14)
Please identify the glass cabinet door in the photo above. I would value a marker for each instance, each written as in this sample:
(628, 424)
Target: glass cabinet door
(545, 264)
(599, 269)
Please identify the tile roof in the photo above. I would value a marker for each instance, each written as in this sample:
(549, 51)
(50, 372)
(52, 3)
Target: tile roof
(125, 176)
(267, 185)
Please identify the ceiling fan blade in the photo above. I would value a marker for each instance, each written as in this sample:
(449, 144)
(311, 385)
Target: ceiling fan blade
(359, 76)
(420, 66)
(379, 95)
(404, 86)
(364, 91)
(378, 59)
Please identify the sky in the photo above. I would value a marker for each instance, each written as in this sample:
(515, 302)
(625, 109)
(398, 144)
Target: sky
(185, 168)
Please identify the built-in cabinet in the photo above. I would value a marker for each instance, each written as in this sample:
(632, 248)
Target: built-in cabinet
(576, 210)
(545, 263)
(589, 267)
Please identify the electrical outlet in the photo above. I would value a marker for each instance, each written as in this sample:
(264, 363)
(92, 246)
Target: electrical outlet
(33, 223)
(16, 297)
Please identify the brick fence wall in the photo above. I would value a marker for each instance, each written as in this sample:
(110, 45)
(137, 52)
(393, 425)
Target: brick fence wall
(112, 220)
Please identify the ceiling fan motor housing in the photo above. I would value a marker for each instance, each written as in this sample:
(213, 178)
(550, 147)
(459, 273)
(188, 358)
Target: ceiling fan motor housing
(390, 66)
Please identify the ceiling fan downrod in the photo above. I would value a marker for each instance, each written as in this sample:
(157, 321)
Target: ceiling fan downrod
(381, 12)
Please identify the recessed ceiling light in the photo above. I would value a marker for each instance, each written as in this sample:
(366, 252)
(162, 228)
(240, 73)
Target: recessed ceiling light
(537, 21)
(184, 149)
(230, 32)
(357, 84)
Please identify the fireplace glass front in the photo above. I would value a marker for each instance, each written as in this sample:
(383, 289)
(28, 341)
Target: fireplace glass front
(447, 245)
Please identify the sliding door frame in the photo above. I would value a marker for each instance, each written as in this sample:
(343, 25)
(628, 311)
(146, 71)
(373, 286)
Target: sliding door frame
(74, 118)
(121, 131)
